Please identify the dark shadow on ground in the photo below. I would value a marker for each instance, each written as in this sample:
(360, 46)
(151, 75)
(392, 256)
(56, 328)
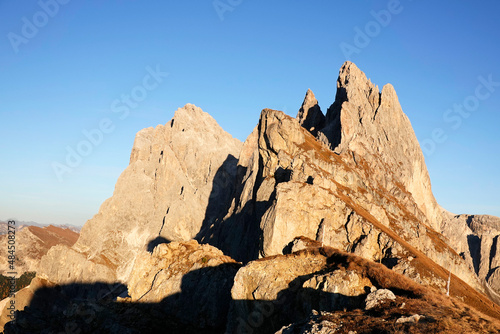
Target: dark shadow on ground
(291, 305)
(202, 306)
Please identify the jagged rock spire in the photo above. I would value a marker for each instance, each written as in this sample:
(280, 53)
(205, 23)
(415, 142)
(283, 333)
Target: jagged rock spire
(310, 115)
(370, 123)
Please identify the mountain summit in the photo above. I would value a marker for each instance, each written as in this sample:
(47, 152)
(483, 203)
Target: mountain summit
(314, 187)
(371, 124)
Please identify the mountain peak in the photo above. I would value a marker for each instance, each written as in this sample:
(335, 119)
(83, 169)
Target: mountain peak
(310, 115)
(192, 118)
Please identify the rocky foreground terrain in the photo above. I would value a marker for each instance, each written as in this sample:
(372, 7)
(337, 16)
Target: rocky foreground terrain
(323, 223)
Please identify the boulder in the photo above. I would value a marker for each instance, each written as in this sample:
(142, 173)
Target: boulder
(411, 319)
(377, 297)
(272, 292)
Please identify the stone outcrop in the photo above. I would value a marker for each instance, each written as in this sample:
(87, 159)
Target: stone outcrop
(377, 297)
(64, 265)
(345, 203)
(179, 178)
(278, 290)
(310, 115)
(271, 293)
(200, 276)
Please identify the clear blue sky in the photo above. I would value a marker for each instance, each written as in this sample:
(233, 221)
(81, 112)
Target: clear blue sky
(64, 70)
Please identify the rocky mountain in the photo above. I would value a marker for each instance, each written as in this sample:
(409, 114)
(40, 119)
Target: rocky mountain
(4, 227)
(310, 214)
(475, 238)
(177, 181)
(32, 243)
(371, 124)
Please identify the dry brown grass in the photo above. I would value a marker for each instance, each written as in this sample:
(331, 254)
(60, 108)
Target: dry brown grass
(426, 267)
(436, 319)
(52, 235)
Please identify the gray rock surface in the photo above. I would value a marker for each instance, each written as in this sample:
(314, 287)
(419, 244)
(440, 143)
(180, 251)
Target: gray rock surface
(378, 297)
(63, 265)
(475, 238)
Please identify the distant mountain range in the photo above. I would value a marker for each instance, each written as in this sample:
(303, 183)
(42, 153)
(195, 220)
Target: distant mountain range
(31, 243)
(22, 224)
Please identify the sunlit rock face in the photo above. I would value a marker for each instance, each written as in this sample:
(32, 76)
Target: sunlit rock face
(179, 179)
(360, 185)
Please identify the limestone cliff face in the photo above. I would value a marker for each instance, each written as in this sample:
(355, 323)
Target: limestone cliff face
(475, 237)
(370, 196)
(371, 124)
(177, 181)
